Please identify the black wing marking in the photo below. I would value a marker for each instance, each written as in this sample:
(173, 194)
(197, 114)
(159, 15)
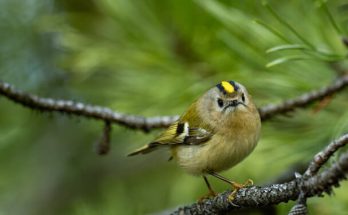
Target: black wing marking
(197, 136)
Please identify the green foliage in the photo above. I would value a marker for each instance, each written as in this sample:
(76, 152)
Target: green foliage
(307, 49)
(151, 58)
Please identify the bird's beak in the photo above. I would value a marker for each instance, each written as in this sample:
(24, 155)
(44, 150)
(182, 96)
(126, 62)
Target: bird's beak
(234, 103)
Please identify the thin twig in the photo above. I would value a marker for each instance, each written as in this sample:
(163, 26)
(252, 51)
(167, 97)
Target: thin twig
(86, 110)
(256, 197)
(322, 157)
(269, 111)
(149, 123)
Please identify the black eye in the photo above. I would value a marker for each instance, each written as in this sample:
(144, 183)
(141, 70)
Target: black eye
(220, 102)
(243, 97)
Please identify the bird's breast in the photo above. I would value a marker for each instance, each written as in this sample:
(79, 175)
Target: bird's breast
(224, 150)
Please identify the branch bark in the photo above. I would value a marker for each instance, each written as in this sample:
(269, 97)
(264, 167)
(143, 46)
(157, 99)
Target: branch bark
(148, 123)
(322, 157)
(80, 109)
(269, 111)
(256, 197)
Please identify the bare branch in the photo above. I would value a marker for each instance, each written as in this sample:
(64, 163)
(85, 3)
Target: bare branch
(322, 157)
(256, 197)
(146, 124)
(269, 111)
(86, 110)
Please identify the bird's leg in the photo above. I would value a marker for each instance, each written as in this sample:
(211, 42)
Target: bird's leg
(211, 193)
(236, 186)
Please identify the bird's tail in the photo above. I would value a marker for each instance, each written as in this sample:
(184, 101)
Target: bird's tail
(145, 149)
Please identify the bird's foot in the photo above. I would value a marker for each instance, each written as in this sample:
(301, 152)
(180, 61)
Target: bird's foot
(211, 193)
(236, 187)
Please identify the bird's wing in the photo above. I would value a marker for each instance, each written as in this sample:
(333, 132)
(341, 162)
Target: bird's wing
(182, 133)
(188, 130)
(179, 133)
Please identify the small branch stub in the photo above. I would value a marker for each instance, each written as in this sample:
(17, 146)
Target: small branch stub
(298, 209)
(103, 146)
(345, 41)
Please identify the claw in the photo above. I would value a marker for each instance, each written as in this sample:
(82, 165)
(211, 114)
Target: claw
(248, 183)
(207, 196)
(236, 187)
(232, 196)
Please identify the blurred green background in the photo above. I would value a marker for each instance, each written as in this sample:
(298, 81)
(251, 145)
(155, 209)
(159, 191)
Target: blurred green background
(150, 58)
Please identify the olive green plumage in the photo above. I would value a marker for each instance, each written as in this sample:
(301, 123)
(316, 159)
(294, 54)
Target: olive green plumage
(216, 132)
(198, 132)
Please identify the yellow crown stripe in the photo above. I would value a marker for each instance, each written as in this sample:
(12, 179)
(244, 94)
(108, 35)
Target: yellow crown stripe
(228, 87)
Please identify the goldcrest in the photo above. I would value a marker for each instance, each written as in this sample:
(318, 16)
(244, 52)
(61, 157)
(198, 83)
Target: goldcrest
(217, 131)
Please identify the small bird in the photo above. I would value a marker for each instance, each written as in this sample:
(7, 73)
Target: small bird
(217, 131)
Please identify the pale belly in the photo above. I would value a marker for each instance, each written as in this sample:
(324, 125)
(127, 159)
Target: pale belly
(216, 155)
